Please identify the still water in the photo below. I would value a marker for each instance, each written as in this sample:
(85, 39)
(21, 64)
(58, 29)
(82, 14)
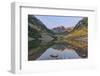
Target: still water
(53, 51)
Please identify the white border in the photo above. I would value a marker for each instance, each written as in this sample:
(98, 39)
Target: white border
(19, 37)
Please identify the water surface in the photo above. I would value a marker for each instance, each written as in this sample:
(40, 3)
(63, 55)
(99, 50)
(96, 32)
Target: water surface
(40, 50)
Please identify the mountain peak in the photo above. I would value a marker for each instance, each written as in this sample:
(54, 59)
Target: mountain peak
(59, 29)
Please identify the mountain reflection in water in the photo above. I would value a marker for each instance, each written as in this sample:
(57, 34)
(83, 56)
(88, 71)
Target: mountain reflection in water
(50, 51)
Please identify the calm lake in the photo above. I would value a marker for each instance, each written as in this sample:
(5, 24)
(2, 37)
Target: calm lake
(41, 50)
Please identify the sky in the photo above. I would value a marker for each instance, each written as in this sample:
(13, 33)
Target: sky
(55, 21)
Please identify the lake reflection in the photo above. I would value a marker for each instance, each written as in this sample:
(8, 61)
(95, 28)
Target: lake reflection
(52, 51)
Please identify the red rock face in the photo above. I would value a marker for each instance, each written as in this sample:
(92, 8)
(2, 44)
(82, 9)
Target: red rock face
(62, 29)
